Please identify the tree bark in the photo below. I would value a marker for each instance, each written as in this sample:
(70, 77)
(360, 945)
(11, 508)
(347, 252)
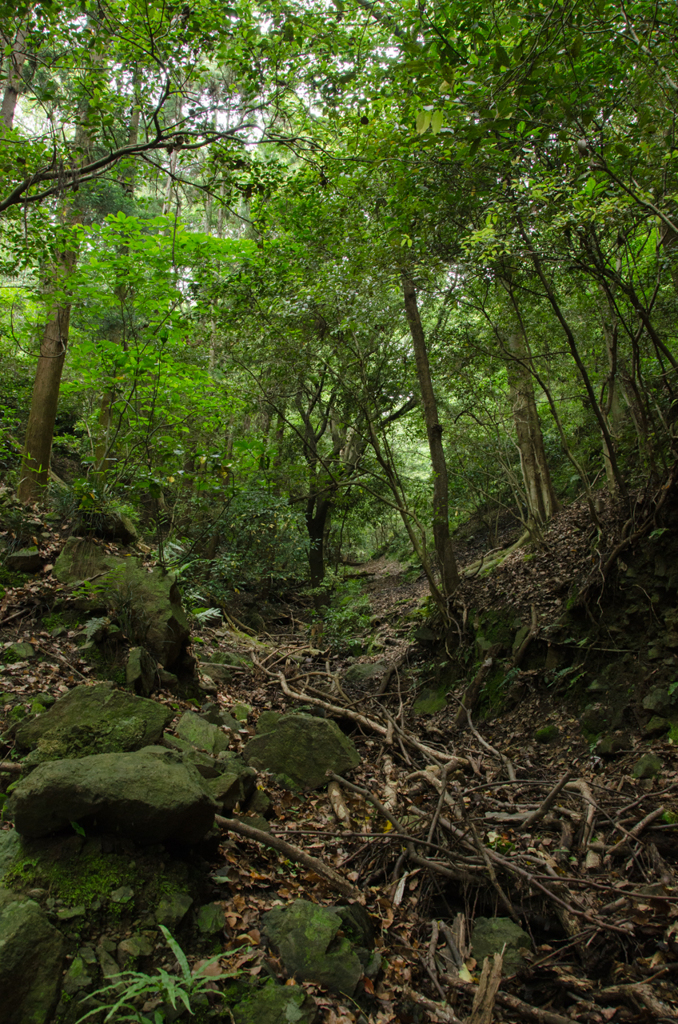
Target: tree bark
(12, 83)
(539, 492)
(441, 526)
(40, 429)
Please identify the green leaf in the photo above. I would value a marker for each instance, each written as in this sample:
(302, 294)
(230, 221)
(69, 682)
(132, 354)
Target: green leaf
(423, 121)
(436, 121)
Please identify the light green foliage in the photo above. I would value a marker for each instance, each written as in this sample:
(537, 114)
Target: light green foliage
(346, 617)
(129, 988)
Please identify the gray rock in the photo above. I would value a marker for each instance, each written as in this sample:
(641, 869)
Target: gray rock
(276, 1004)
(268, 721)
(647, 767)
(148, 796)
(657, 700)
(657, 726)
(154, 596)
(210, 919)
(614, 743)
(77, 979)
(10, 849)
(241, 712)
(203, 735)
(92, 719)
(171, 910)
(141, 672)
(305, 936)
(547, 734)
(230, 658)
(490, 934)
(22, 650)
(217, 673)
(25, 560)
(259, 803)
(361, 673)
(234, 785)
(213, 713)
(303, 748)
(133, 948)
(31, 959)
(207, 766)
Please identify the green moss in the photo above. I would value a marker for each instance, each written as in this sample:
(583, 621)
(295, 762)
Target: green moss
(547, 734)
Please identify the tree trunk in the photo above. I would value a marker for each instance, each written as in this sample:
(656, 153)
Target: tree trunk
(441, 525)
(12, 84)
(40, 430)
(316, 516)
(540, 496)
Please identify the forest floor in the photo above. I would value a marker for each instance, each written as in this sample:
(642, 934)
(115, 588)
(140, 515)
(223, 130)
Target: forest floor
(445, 820)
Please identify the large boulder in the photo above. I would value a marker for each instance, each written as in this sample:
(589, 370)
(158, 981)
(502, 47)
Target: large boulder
(31, 960)
(148, 796)
(306, 937)
(92, 719)
(149, 600)
(303, 748)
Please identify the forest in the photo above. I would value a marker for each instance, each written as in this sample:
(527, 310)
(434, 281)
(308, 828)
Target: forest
(338, 511)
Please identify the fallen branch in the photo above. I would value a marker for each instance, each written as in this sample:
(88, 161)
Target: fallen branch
(10, 766)
(292, 853)
(490, 980)
(543, 807)
(531, 1013)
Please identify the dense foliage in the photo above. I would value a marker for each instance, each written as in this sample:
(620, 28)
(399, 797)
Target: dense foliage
(215, 214)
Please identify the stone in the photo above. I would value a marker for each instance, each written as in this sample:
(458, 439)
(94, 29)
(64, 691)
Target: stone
(614, 743)
(22, 650)
(303, 748)
(31, 958)
(210, 919)
(154, 596)
(171, 910)
(268, 721)
(77, 978)
(490, 934)
(203, 735)
(123, 894)
(26, 560)
(10, 849)
(430, 701)
(595, 719)
(647, 767)
(116, 526)
(306, 937)
(657, 726)
(234, 786)
(259, 803)
(547, 734)
(166, 679)
(275, 1004)
(91, 719)
(657, 700)
(230, 658)
(241, 712)
(140, 672)
(214, 714)
(133, 948)
(362, 673)
(217, 673)
(206, 765)
(148, 796)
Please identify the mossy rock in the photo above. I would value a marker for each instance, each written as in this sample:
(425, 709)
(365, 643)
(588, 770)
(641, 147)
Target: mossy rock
(306, 937)
(547, 734)
(491, 935)
(647, 767)
(304, 748)
(31, 962)
(93, 719)
(151, 600)
(430, 701)
(275, 1004)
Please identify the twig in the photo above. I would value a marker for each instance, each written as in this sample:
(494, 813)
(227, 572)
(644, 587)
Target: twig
(443, 1013)
(10, 766)
(543, 807)
(293, 853)
(488, 746)
(490, 980)
(533, 1014)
